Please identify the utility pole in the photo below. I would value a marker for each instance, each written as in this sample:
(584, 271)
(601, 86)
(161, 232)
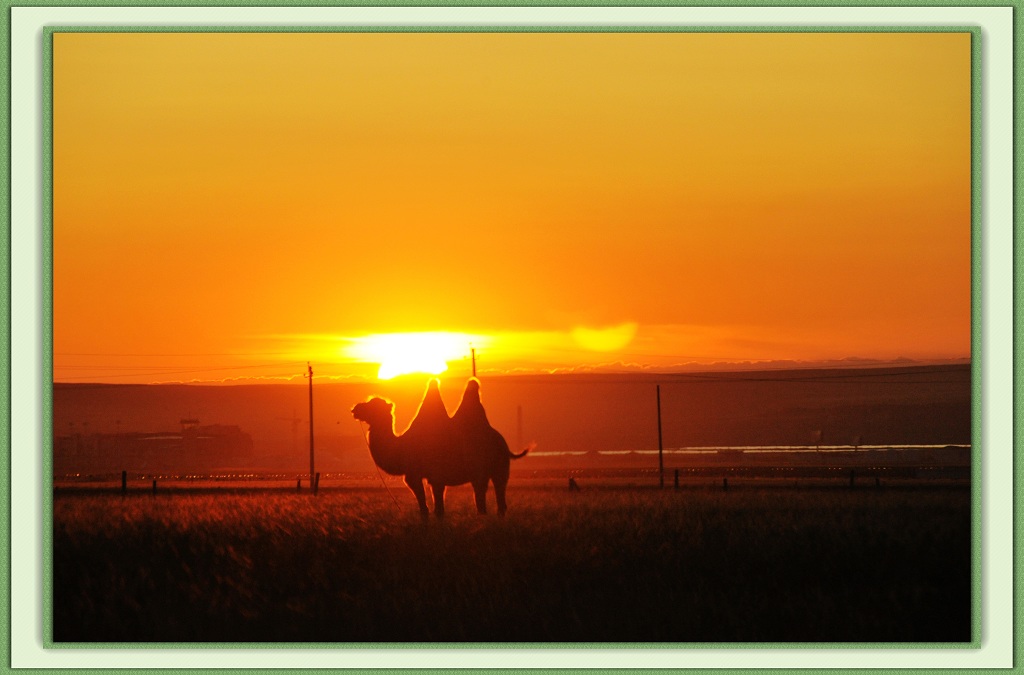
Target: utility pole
(312, 478)
(661, 460)
(519, 427)
(472, 355)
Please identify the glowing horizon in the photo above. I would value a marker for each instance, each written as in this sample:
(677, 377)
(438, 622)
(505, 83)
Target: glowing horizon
(581, 349)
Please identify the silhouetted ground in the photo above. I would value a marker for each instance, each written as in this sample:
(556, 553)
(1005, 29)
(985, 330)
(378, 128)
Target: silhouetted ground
(563, 413)
(615, 564)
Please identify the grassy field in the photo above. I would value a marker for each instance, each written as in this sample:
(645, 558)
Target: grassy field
(619, 564)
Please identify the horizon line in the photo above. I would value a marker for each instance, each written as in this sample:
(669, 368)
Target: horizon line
(616, 369)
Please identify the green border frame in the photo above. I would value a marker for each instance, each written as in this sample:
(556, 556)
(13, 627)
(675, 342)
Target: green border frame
(975, 238)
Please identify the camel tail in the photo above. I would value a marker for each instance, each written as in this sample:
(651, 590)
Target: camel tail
(529, 447)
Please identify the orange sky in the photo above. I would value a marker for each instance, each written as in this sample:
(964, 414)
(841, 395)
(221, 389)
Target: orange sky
(229, 205)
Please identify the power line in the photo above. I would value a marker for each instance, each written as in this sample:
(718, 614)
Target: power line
(183, 371)
(852, 376)
(120, 355)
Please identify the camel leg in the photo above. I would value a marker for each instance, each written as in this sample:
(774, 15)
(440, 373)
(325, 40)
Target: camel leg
(416, 485)
(480, 493)
(500, 483)
(438, 500)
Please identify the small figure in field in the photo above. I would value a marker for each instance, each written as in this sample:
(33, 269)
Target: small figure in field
(573, 485)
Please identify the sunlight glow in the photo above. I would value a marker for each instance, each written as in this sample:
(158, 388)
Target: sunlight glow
(404, 353)
(604, 339)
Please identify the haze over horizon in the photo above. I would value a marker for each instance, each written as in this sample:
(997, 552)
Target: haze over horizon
(460, 370)
(228, 206)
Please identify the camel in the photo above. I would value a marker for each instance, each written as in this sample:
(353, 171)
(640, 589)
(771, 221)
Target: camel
(442, 451)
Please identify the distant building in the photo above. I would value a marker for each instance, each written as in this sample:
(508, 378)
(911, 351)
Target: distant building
(192, 449)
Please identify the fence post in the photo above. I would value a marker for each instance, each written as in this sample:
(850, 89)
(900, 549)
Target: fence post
(154, 486)
(675, 484)
(298, 485)
(124, 482)
(852, 474)
(316, 483)
(725, 484)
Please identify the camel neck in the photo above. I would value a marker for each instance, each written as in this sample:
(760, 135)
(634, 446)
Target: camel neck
(384, 449)
(383, 434)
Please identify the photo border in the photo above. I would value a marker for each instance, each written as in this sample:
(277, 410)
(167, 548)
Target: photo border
(977, 299)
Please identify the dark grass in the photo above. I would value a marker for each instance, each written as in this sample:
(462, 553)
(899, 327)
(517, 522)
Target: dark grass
(611, 565)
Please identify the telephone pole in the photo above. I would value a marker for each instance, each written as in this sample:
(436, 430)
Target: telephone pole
(661, 461)
(472, 355)
(519, 427)
(312, 476)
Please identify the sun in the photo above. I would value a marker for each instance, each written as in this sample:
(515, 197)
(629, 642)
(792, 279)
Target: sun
(406, 353)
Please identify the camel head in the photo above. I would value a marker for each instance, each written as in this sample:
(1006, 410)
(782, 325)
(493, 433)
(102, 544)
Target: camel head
(376, 411)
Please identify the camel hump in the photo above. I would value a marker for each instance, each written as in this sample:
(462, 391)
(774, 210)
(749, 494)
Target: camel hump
(432, 416)
(471, 414)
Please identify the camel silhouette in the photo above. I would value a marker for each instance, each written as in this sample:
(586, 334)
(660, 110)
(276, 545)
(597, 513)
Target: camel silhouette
(440, 450)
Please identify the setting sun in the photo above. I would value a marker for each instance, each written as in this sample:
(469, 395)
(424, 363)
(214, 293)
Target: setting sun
(404, 353)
